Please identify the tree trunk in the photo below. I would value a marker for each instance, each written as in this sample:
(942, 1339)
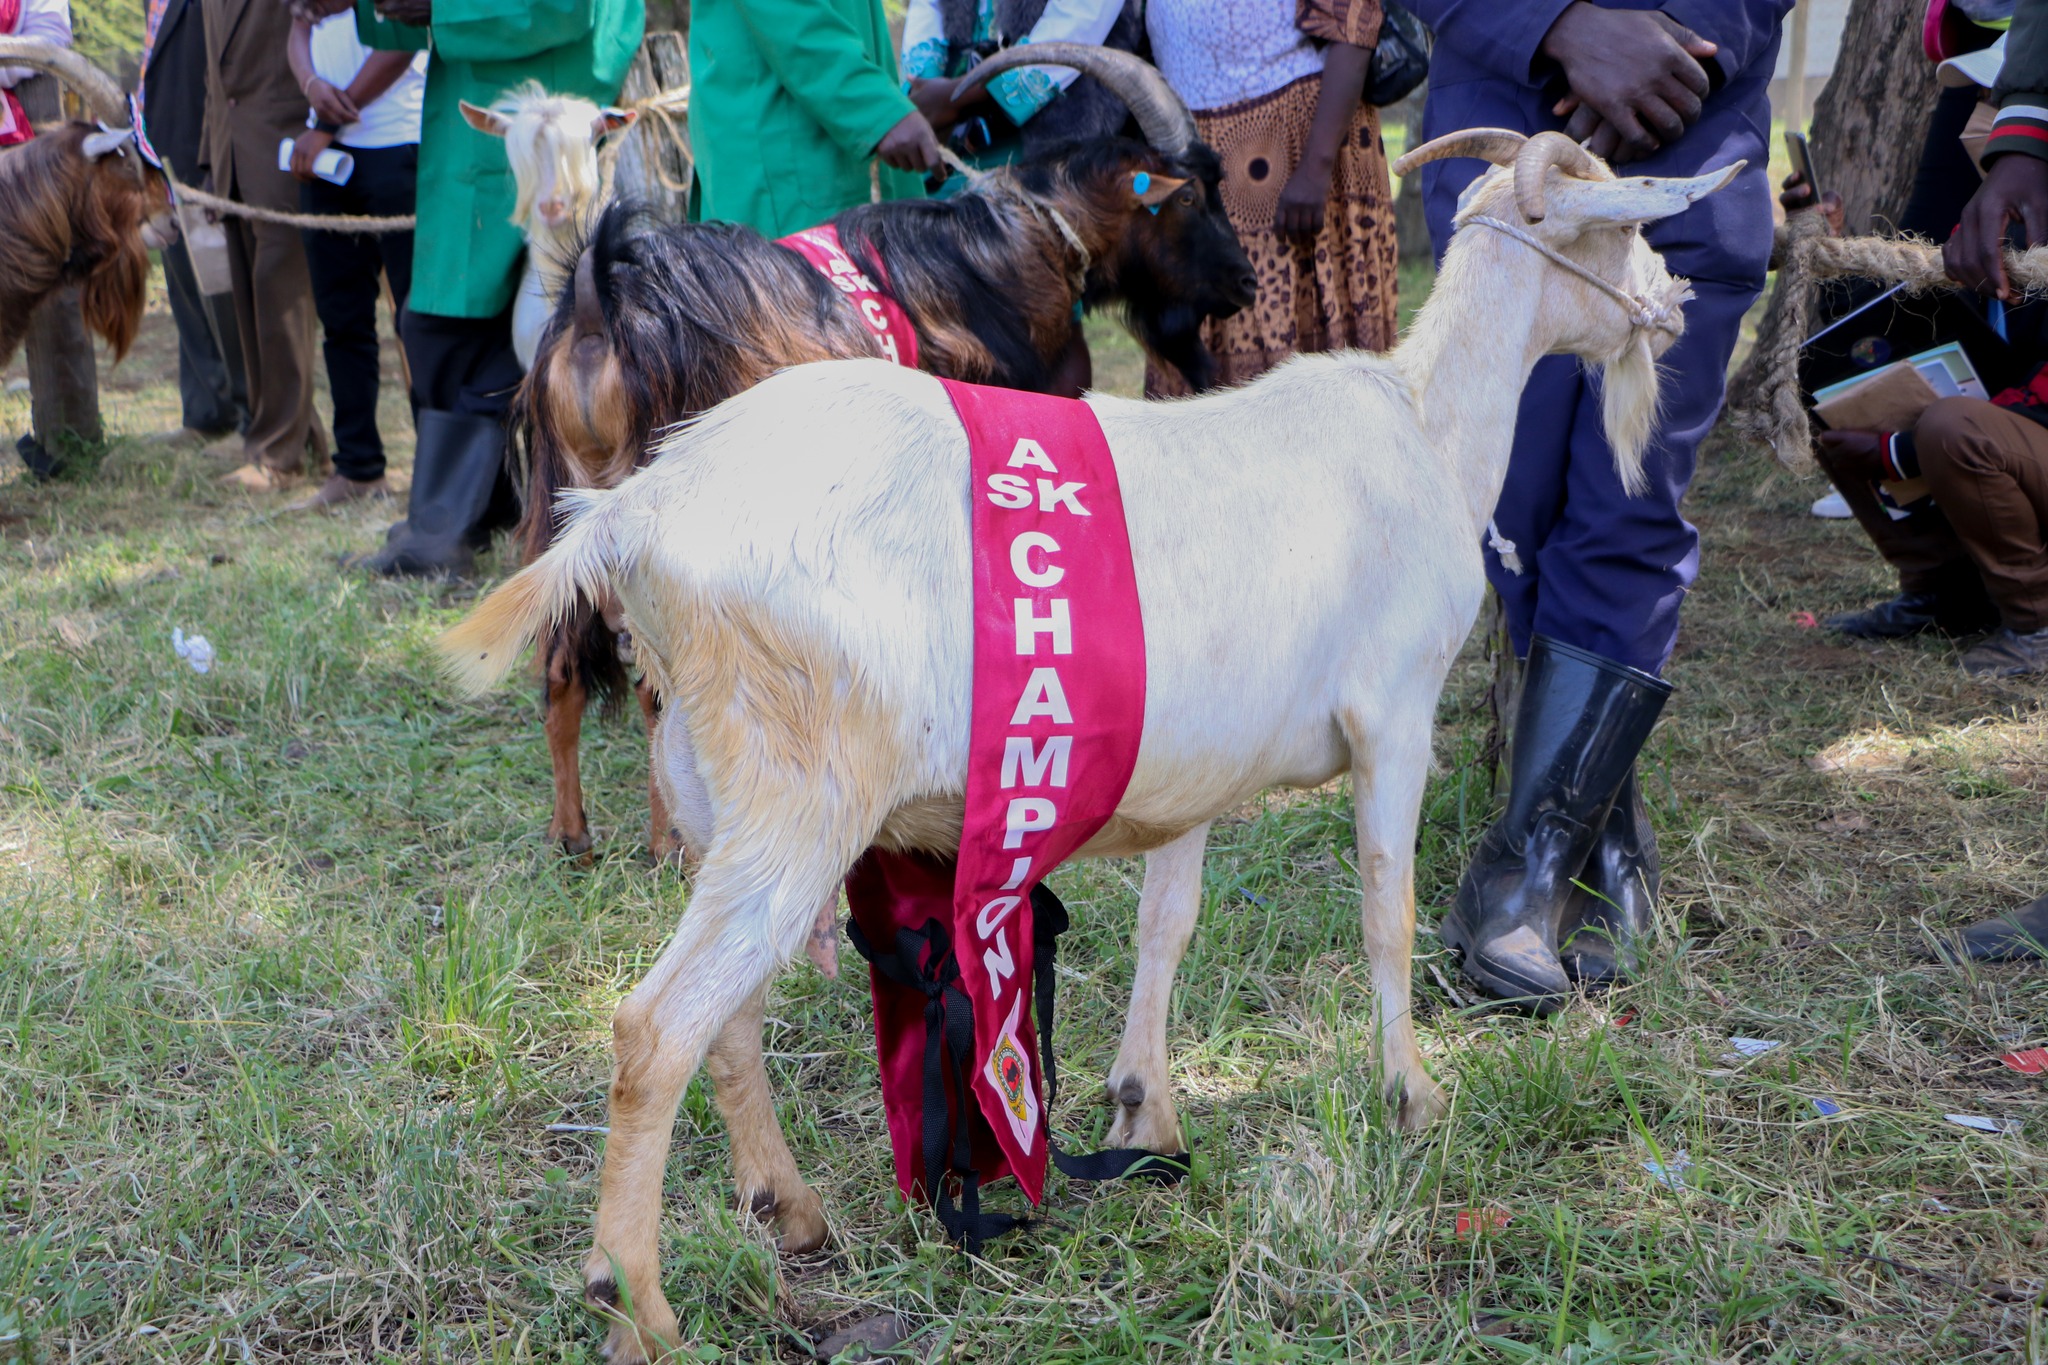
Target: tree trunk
(1871, 117)
(1868, 128)
(654, 165)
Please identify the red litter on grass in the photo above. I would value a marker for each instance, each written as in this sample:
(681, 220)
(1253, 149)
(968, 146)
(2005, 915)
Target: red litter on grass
(1479, 1222)
(1805, 620)
(2032, 1062)
(1623, 1020)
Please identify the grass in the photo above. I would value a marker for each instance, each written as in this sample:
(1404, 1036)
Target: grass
(290, 987)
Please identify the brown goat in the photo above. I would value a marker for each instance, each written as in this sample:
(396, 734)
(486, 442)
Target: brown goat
(70, 216)
(665, 322)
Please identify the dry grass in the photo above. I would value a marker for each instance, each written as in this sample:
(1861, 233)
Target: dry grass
(289, 988)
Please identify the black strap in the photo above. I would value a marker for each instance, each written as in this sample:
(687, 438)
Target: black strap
(923, 961)
(1049, 920)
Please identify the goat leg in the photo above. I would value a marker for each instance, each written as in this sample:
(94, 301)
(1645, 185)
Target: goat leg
(1139, 1081)
(662, 840)
(1390, 763)
(566, 698)
(763, 1170)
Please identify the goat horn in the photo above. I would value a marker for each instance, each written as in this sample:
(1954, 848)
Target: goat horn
(1498, 145)
(1535, 160)
(1162, 117)
(101, 92)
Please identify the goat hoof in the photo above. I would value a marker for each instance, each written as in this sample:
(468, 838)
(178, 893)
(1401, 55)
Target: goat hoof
(630, 1342)
(575, 845)
(801, 1219)
(1415, 1104)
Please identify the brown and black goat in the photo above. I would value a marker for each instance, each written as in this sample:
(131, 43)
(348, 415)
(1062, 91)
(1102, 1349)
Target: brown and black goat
(663, 322)
(78, 205)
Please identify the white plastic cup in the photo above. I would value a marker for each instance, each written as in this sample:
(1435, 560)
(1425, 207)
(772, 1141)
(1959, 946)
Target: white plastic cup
(333, 165)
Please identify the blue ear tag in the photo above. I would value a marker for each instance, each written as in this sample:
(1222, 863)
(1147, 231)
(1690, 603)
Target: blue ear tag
(1141, 182)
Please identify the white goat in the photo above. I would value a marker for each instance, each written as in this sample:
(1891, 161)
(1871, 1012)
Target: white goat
(551, 141)
(796, 571)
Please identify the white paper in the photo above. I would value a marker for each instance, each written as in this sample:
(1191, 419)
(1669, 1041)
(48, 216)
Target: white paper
(1748, 1047)
(1982, 1124)
(193, 649)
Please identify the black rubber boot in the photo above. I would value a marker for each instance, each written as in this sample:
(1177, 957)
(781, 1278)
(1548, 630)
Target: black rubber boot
(2019, 937)
(455, 471)
(1581, 721)
(1612, 910)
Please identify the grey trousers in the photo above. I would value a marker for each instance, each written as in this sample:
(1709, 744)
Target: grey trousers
(212, 388)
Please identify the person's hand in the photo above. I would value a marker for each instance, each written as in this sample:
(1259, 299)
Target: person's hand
(331, 102)
(313, 11)
(1304, 201)
(306, 150)
(1854, 454)
(1797, 197)
(1637, 74)
(418, 13)
(935, 99)
(910, 145)
(2016, 186)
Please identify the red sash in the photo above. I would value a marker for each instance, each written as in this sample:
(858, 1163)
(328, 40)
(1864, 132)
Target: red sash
(14, 126)
(1058, 710)
(883, 315)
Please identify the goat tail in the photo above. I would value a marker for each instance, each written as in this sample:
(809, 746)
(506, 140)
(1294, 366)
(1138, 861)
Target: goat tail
(480, 649)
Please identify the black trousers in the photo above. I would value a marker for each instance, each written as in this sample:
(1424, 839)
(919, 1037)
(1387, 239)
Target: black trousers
(213, 392)
(467, 366)
(345, 267)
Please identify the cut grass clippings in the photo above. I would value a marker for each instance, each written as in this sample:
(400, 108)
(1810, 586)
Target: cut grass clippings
(291, 991)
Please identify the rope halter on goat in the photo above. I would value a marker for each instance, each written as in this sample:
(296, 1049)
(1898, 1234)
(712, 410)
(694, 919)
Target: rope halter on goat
(993, 185)
(1663, 315)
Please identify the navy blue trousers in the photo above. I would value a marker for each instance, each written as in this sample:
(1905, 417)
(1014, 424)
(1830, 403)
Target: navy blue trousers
(1600, 569)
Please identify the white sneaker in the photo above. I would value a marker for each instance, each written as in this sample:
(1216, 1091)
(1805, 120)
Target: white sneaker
(1833, 507)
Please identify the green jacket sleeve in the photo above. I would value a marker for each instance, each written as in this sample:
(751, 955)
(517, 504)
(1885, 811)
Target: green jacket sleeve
(506, 30)
(2022, 124)
(823, 63)
(377, 32)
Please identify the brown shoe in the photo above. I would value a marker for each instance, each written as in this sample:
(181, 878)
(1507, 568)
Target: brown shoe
(256, 478)
(2007, 654)
(340, 489)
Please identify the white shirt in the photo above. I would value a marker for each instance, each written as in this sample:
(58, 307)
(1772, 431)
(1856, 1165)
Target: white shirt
(1222, 52)
(390, 120)
(49, 20)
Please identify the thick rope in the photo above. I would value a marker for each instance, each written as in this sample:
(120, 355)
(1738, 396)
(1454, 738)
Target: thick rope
(1775, 413)
(665, 117)
(315, 222)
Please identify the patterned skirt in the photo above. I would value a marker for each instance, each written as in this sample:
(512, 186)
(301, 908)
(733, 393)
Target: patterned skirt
(1337, 291)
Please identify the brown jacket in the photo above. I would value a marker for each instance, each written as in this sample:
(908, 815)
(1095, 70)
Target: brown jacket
(252, 101)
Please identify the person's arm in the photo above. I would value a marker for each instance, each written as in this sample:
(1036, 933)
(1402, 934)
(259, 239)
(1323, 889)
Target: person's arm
(1348, 30)
(1506, 39)
(501, 30)
(380, 71)
(49, 20)
(822, 62)
(331, 105)
(1023, 91)
(1740, 30)
(1636, 78)
(2015, 162)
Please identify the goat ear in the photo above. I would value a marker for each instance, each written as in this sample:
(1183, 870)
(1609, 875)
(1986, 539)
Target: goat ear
(1153, 190)
(97, 145)
(483, 120)
(1636, 199)
(610, 121)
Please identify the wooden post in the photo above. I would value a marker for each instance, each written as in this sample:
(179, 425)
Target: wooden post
(64, 390)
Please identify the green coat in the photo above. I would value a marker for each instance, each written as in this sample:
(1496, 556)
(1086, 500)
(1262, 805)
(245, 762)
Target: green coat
(466, 253)
(787, 101)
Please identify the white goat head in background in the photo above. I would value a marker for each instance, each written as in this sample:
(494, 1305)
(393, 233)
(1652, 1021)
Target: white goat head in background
(551, 141)
(1555, 197)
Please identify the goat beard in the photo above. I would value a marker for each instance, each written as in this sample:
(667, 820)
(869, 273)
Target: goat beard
(1630, 395)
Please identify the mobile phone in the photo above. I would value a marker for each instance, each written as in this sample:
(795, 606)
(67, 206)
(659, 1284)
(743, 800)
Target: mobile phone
(1802, 162)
